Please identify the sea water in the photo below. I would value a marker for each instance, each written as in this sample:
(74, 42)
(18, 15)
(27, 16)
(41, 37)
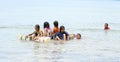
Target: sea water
(84, 17)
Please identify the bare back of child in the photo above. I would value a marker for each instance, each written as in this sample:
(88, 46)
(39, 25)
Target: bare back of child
(35, 34)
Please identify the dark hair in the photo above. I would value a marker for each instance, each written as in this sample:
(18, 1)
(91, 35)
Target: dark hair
(55, 23)
(79, 34)
(37, 26)
(46, 25)
(62, 27)
(106, 24)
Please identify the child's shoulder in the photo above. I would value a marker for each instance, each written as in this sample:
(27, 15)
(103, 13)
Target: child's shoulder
(40, 31)
(55, 29)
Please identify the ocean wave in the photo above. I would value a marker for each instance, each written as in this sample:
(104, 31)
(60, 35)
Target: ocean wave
(68, 29)
(96, 29)
(16, 27)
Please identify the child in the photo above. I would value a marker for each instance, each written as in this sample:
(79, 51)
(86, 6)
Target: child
(106, 26)
(72, 36)
(78, 36)
(36, 33)
(55, 29)
(61, 35)
(47, 29)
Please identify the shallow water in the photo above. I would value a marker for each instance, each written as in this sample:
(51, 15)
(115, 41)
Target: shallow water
(78, 16)
(96, 45)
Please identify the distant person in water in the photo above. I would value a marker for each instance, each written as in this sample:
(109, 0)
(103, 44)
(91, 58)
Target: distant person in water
(62, 34)
(47, 29)
(35, 34)
(56, 28)
(72, 36)
(106, 26)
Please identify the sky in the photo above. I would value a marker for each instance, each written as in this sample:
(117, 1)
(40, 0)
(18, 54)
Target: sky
(22, 11)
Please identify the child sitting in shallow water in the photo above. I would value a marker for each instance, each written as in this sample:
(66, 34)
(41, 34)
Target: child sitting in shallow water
(62, 34)
(35, 34)
(106, 26)
(47, 29)
(56, 28)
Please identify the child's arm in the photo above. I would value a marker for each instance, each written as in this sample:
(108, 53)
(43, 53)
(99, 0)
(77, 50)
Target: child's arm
(45, 32)
(68, 37)
(41, 33)
(30, 34)
(53, 31)
(57, 38)
(64, 37)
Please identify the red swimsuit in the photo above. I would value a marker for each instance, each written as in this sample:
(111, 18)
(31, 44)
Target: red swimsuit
(106, 28)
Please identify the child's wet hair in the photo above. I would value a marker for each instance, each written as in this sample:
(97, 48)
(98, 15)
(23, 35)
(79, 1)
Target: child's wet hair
(106, 24)
(55, 23)
(37, 26)
(46, 25)
(79, 34)
(62, 27)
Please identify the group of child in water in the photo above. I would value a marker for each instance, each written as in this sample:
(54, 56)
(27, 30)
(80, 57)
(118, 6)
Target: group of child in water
(55, 34)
